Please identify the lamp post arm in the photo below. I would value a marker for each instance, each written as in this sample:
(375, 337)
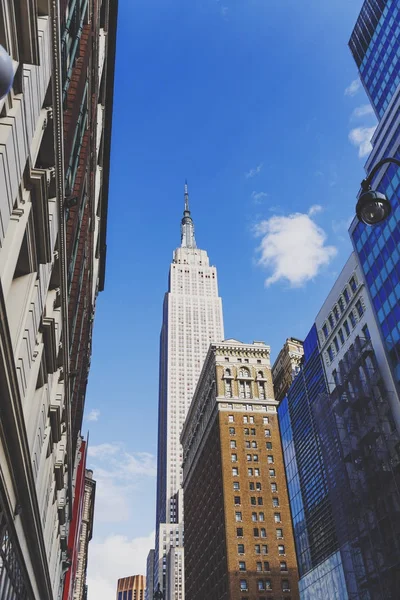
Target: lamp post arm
(366, 183)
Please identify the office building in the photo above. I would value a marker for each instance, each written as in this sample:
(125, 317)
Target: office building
(192, 319)
(286, 367)
(341, 452)
(238, 533)
(131, 588)
(86, 532)
(375, 44)
(55, 145)
(149, 592)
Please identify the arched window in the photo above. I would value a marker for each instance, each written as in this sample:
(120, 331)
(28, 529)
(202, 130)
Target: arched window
(260, 375)
(244, 373)
(227, 372)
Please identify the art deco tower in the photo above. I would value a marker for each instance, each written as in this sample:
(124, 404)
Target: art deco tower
(192, 319)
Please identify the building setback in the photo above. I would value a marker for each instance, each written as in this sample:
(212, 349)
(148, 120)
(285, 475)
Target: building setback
(286, 367)
(238, 533)
(131, 588)
(54, 146)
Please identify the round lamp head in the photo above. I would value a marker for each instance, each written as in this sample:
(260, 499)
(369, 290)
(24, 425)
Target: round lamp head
(373, 207)
(6, 72)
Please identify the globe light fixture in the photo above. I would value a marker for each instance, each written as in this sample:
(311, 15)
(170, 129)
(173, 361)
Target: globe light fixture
(6, 72)
(374, 207)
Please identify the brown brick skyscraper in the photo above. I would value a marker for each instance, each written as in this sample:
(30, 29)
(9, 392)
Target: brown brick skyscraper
(238, 533)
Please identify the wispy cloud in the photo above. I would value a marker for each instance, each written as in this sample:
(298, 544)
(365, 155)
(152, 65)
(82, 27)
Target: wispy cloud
(362, 111)
(259, 197)
(93, 415)
(361, 137)
(293, 248)
(353, 88)
(254, 172)
(113, 557)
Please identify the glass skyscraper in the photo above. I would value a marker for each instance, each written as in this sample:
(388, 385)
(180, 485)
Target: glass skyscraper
(375, 45)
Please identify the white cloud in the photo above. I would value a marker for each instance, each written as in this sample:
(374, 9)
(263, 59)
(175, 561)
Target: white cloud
(113, 557)
(353, 88)
(103, 450)
(259, 197)
(254, 172)
(293, 248)
(362, 111)
(314, 210)
(93, 415)
(361, 137)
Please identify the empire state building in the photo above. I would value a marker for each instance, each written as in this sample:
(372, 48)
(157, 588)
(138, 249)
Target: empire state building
(192, 319)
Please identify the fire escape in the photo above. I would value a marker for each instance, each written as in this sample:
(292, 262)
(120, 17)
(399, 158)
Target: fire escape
(361, 453)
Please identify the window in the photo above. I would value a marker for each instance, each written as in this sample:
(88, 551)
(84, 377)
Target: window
(352, 319)
(266, 565)
(247, 444)
(234, 457)
(253, 500)
(272, 472)
(253, 431)
(254, 444)
(331, 321)
(246, 431)
(238, 516)
(260, 585)
(254, 516)
(236, 500)
(243, 585)
(251, 419)
(242, 565)
(263, 532)
(233, 443)
(267, 433)
(330, 353)
(257, 549)
(240, 548)
(336, 313)
(265, 420)
(283, 565)
(275, 501)
(236, 485)
(239, 531)
(250, 472)
(346, 328)
(255, 457)
(235, 471)
(274, 488)
(248, 457)
(279, 534)
(277, 517)
(366, 333)
(231, 419)
(270, 459)
(257, 472)
(359, 308)
(261, 516)
(259, 501)
(245, 419)
(341, 336)
(259, 566)
(255, 532)
(228, 389)
(336, 344)
(281, 549)
(285, 585)
(268, 445)
(226, 359)
(268, 584)
(353, 284)
(264, 549)
(258, 486)
(251, 486)
(346, 295)
(341, 304)
(232, 430)
(325, 330)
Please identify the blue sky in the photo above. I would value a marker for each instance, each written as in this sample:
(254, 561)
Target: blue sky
(257, 104)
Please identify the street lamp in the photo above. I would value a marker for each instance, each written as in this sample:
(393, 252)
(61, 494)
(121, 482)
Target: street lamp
(6, 72)
(158, 595)
(373, 207)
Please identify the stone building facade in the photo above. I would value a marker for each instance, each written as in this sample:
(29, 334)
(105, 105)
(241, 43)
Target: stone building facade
(238, 532)
(286, 366)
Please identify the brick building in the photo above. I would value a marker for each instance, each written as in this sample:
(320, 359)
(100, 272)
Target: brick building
(238, 532)
(131, 588)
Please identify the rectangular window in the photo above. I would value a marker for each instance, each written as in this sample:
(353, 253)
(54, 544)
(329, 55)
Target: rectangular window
(272, 472)
(261, 516)
(268, 445)
(242, 565)
(325, 330)
(254, 444)
(240, 548)
(248, 457)
(236, 485)
(336, 344)
(275, 501)
(255, 532)
(336, 313)
(250, 472)
(259, 566)
(236, 500)
(270, 459)
(253, 500)
(243, 585)
(263, 532)
(346, 328)
(235, 471)
(251, 419)
(253, 431)
(359, 308)
(231, 419)
(265, 420)
(238, 516)
(285, 585)
(251, 486)
(247, 444)
(283, 565)
(330, 353)
(341, 304)
(366, 332)
(264, 549)
(257, 549)
(257, 472)
(266, 565)
(259, 501)
(232, 430)
(267, 433)
(353, 284)
(234, 457)
(239, 531)
(254, 516)
(341, 336)
(281, 549)
(331, 321)
(274, 487)
(258, 486)
(268, 584)
(346, 295)
(255, 457)
(246, 431)
(260, 585)
(279, 534)
(277, 516)
(245, 419)
(233, 443)
(352, 319)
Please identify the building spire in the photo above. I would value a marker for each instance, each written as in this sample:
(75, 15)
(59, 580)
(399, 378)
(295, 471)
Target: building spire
(187, 225)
